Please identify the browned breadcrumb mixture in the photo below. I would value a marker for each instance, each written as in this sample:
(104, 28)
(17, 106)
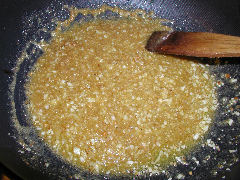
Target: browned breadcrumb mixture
(104, 103)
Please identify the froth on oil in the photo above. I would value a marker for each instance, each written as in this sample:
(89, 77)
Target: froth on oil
(104, 103)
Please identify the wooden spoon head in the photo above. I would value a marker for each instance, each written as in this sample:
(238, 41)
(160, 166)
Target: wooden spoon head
(198, 44)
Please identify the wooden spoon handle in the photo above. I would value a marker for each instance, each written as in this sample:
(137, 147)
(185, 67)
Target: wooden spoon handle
(199, 44)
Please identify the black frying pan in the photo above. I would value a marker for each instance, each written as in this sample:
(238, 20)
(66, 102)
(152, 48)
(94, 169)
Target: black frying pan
(40, 162)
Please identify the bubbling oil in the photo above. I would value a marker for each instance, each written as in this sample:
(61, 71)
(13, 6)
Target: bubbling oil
(104, 103)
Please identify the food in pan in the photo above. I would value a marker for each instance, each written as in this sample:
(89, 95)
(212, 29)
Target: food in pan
(104, 103)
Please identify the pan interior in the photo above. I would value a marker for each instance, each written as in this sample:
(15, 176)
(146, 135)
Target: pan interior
(209, 148)
(117, 102)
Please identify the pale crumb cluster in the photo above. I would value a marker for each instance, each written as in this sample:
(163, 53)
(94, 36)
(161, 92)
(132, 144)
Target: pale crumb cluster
(104, 103)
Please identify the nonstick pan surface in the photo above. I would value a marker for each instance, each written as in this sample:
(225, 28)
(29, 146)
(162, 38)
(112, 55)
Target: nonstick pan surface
(31, 159)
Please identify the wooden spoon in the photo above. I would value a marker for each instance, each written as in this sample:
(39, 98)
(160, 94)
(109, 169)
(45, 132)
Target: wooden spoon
(199, 44)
